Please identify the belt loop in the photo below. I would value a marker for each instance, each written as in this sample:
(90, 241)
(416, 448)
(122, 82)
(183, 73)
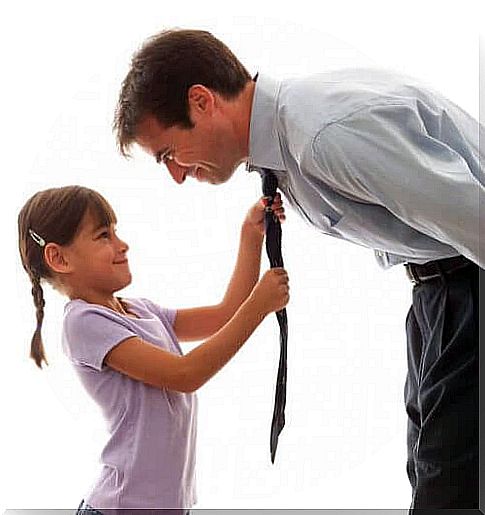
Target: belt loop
(440, 271)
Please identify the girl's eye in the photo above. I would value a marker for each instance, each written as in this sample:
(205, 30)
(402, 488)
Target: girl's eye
(104, 234)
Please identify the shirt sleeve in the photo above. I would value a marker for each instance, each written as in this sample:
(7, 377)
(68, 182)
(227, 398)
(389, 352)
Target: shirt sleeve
(89, 334)
(386, 154)
(166, 315)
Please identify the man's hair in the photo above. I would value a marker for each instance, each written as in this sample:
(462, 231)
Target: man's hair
(162, 72)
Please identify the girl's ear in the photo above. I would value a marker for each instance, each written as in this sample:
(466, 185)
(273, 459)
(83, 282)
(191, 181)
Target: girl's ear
(56, 258)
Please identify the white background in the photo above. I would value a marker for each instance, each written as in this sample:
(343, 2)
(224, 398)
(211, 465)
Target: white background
(344, 441)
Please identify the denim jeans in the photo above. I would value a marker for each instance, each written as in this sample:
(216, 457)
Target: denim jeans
(85, 509)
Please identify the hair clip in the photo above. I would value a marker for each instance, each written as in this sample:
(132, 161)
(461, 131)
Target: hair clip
(40, 241)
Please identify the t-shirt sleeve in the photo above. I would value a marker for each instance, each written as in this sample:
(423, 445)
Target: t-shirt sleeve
(89, 334)
(166, 315)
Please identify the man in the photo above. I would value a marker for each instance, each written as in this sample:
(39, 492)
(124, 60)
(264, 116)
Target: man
(363, 155)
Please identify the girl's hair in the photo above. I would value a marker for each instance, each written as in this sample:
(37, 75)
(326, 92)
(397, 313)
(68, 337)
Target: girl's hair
(54, 215)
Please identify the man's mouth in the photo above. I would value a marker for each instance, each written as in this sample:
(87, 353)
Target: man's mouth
(121, 262)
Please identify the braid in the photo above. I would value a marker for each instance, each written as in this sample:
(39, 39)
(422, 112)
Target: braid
(53, 216)
(36, 346)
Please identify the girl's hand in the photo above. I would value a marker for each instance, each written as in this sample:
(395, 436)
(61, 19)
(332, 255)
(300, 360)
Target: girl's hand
(272, 292)
(255, 216)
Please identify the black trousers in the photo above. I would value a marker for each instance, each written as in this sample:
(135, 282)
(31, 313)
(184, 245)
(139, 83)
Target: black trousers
(441, 392)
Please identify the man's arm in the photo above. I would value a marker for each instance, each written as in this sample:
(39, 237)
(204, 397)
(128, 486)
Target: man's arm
(384, 154)
(201, 322)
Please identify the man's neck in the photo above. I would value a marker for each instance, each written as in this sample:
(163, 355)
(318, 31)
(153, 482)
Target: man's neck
(241, 117)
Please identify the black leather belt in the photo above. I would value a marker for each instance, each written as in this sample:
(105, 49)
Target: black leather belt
(434, 269)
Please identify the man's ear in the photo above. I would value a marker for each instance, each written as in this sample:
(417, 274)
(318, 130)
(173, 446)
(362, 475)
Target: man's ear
(56, 258)
(201, 102)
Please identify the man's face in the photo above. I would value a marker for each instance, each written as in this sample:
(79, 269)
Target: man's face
(207, 152)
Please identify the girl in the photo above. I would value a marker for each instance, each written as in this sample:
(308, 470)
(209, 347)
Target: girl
(126, 351)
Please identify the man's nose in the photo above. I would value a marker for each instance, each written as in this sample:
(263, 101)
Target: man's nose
(176, 171)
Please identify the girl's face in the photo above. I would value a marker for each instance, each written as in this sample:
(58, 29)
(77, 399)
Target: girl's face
(97, 259)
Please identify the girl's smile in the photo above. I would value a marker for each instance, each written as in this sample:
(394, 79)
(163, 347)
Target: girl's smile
(94, 266)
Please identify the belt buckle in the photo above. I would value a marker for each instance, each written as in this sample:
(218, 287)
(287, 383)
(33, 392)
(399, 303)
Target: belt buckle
(411, 275)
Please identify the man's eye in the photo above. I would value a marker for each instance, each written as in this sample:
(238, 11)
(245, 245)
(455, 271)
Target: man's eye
(104, 234)
(163, 157)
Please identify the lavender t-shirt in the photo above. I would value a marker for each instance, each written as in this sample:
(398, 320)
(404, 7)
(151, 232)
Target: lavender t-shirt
(149, 459)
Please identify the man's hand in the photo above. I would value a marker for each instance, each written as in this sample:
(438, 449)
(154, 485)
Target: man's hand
(255, 216)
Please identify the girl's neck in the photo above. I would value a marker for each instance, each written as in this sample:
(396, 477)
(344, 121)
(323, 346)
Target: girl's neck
(106, 300)
(116, 304)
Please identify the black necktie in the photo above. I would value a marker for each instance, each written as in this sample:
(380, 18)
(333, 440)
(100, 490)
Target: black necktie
(273, 249)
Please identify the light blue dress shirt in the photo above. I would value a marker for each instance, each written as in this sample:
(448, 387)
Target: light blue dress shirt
(377, 159)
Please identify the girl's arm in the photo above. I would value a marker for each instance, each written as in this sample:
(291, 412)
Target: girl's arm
(156, 367)
(202, 322)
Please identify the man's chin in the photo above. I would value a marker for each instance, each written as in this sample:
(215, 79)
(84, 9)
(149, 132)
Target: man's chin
(222, 177)
(218, 180)
(213, 179)
(214, 175)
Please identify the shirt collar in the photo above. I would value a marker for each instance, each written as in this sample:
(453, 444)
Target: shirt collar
(264, 145)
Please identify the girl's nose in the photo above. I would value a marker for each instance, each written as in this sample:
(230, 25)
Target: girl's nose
(124, 247)
(176, 171)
